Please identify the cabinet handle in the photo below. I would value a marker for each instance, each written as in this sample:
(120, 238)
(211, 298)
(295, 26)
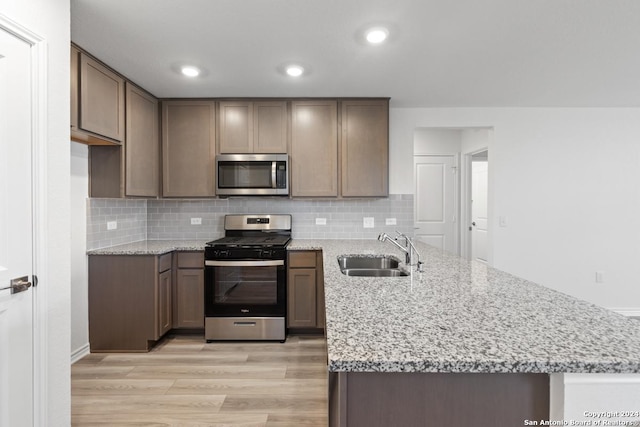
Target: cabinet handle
(244, 323)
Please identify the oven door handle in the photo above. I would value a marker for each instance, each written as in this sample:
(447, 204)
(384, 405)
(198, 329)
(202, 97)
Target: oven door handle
(269, 263)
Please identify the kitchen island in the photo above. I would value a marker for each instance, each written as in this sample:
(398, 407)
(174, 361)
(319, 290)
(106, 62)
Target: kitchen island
(458, 344)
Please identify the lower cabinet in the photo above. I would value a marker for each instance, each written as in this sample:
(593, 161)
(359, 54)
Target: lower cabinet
(188, 307)
(305, 290)
(130, 301)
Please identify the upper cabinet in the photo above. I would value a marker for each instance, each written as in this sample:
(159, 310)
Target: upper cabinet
(314, 148)
(97, 102)
(337, 147)
(142, 149)
(252, 127)
(188, 148)
(365, 148)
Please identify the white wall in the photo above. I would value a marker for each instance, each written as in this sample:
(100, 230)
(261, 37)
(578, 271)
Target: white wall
(568, 182)
(432, 141)
(79, 276)
(50, 19)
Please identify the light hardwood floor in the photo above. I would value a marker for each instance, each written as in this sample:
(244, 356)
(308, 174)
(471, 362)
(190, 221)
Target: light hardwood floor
(184, 381)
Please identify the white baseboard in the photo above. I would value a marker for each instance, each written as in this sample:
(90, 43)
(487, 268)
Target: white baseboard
(627, 311)
(80, 353)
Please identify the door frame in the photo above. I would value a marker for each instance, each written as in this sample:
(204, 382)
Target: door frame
(39, 105)
(465, 207)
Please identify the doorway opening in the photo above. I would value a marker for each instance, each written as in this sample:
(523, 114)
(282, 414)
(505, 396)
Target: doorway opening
(476, 204)
(452, 199)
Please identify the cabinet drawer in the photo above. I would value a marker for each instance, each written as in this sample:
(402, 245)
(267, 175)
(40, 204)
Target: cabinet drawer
(302, 259)
(164, 262)
(190, 259)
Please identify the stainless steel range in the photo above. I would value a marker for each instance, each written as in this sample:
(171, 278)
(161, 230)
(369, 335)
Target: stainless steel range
(246, 279)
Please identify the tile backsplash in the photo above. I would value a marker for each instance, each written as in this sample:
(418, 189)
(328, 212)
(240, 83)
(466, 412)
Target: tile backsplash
(172, 219)
(129, 215)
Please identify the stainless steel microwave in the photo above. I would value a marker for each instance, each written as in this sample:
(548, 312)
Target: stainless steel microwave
(252, 175)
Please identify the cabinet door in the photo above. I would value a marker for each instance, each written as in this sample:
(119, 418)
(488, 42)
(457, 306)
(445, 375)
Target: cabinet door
(101, 100)
(164, 303)
(188, 148)
(123, 302)
(236, 127)
(301, 298)
(189, 299)
(314, 148)
(270, 127)
(75, 54)
(365, 148)
(142, 148)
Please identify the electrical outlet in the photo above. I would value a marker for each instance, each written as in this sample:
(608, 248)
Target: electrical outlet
(390, 221)
(368, 222)
(196, 221)
(112, 225)
(599, 276)
(321, 221)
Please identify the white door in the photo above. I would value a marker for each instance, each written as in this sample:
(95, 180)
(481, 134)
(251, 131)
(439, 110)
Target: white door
(435, 200)
(479, 193)
(16, 223)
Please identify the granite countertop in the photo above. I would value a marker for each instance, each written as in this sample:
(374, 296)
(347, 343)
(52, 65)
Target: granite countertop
(461, 316)
(151, 247)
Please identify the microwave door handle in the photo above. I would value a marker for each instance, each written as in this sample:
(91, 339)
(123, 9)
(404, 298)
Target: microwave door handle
(273, 175)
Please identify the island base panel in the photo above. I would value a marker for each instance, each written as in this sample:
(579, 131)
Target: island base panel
(370, 399)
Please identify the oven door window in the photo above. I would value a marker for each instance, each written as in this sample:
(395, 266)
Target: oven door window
(246, 285)
(245, 288)
(238, 174)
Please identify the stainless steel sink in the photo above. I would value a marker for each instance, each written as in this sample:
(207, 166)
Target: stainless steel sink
(371, 266)
(364, 261)
(375, 272)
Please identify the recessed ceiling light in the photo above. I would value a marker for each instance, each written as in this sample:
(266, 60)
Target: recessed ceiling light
(377, 35)
(294, 70)
(190, 71)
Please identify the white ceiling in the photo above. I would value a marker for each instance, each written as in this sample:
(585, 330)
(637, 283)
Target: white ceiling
(441, 53)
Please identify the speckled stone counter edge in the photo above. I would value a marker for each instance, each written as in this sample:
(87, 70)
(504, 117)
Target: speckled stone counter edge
(150, 247)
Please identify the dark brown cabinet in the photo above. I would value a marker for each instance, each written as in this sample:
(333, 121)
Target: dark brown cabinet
(130, 301)
(133, 168)
(188, 148)
(314, 148)
(188, 307)
(252, 127)
(364, 154)
(305, 290)
(124, 154)
(97, 101)
(142, 148)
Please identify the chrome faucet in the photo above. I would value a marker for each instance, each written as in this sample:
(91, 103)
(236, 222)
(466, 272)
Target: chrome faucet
(409, 249)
